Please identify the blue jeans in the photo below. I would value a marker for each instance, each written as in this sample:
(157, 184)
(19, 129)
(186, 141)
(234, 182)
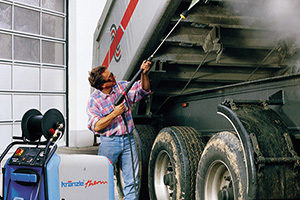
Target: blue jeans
(118, 147)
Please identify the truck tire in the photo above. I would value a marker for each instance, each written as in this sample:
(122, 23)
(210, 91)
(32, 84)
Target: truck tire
(144, 138)
(222, 170)
(173, 163)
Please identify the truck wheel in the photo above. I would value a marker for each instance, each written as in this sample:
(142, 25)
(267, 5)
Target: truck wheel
(144, 138)
(173, 163)
(222, 171)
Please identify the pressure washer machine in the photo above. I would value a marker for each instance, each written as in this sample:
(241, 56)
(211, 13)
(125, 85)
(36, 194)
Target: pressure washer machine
(36, 172)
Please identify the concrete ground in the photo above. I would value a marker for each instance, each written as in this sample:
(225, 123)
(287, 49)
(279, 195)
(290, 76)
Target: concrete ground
(78, 150)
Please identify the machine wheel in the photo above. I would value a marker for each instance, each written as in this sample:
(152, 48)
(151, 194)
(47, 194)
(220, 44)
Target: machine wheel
(144, 140)
(222, 171)
(173, 163)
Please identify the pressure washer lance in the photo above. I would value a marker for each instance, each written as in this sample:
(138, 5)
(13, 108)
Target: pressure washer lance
(183, 15)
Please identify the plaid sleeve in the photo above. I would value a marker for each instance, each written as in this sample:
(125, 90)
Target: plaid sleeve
(93, 113)
(136, 92)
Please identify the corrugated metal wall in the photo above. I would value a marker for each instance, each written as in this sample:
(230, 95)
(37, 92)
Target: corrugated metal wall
(32, 61)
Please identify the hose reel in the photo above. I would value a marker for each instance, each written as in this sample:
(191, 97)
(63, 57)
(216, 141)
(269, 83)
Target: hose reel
(34, 125)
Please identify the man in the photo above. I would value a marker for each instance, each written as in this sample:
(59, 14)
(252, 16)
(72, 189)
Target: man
(107, 120)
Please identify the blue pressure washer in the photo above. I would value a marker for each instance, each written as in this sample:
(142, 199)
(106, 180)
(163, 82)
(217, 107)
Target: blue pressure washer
(32, 169)
(36, 172)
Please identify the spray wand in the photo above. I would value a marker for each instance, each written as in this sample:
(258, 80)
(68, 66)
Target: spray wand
(183, 15)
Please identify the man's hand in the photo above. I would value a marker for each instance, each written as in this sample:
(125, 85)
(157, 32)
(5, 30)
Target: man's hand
(145, 66)
(119, 109)
(105, 121)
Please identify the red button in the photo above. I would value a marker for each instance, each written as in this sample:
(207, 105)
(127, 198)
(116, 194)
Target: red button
(52, 131)
(19, 152)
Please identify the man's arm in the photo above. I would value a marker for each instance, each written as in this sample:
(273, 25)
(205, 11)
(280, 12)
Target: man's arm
(145, 81)
(105, 121)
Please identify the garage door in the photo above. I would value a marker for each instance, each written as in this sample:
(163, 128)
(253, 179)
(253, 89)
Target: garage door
(32, 61)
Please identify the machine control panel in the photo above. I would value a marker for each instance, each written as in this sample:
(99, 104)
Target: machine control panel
(28, 156)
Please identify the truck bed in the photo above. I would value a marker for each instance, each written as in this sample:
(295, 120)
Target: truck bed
(246, 49)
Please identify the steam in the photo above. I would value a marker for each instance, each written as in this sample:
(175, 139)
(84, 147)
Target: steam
(281, 17)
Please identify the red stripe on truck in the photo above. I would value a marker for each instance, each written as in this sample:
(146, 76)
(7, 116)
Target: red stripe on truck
(124, 22)
(128, 13)
(119, 35)
(106, 61)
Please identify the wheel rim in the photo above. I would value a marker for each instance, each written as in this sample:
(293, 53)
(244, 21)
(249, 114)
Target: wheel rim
(218, 182)
(163, 177)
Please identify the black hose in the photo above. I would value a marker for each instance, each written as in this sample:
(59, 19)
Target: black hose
(132, 163)
(131, 152)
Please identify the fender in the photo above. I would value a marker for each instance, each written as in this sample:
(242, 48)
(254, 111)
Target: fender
(268, 149)
(247, 147)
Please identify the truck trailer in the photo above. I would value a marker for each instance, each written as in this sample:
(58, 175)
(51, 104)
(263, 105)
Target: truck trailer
(222, 120)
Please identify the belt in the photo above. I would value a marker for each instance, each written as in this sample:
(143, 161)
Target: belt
(124, 135)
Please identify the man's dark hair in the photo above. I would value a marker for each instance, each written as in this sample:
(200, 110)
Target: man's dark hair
(96, 80)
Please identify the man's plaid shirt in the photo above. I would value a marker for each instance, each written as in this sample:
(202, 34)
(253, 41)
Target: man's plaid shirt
(100, 105)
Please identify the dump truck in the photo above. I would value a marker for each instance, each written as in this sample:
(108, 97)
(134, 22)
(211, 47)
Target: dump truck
(222, 120)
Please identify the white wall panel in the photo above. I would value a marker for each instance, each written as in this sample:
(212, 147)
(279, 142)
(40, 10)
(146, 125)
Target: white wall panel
(83, 18)
(5, 77)
(17, 129)
(5, 107)
(23, 103)
(6, 136)
(26, 78)
(51, 101)
(53, 79)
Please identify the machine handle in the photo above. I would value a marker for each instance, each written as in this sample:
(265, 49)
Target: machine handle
(8, 148)
(25, 178)
(17, 138)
